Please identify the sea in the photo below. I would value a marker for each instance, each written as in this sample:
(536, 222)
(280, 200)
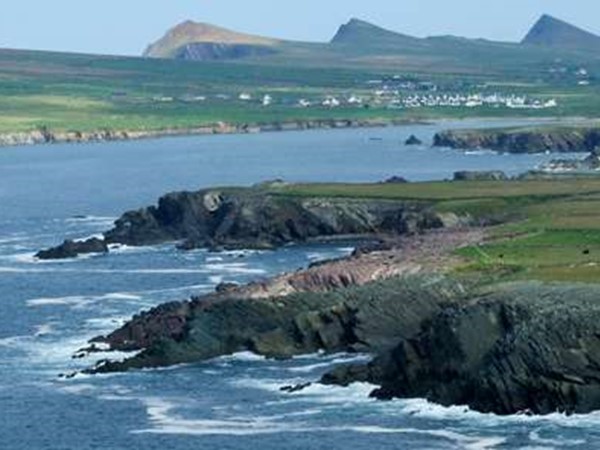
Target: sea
(49, 310)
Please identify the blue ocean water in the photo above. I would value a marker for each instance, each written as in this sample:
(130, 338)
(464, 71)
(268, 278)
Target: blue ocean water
(48, 310)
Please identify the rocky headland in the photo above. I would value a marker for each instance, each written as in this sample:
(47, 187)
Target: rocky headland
(259, 218)
(439, 326)
(360, 303)
(522, 140)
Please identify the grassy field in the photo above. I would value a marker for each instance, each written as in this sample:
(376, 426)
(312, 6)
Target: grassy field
(540, 229)
(70, 92)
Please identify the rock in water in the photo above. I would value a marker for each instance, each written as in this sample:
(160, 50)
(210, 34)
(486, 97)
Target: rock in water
(413, 140)
(72, 249)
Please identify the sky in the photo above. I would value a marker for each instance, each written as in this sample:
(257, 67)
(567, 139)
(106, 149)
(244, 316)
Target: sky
(125, 27)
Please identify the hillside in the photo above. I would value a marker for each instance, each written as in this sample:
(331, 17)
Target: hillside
(555, 33)
(359, 32)
(362, 44)
(191, 33)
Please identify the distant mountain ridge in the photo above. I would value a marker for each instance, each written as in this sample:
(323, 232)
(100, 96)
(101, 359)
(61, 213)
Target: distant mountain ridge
(360, 31)
(204, 42)
(552, 32)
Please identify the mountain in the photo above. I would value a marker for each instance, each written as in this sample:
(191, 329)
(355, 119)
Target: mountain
(552, 32)
(359, 32)
(202, 41)
(360, 44)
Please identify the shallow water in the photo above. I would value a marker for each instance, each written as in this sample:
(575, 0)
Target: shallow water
(50, 309)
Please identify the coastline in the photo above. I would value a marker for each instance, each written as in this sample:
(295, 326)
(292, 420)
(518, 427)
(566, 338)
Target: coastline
(46, 136)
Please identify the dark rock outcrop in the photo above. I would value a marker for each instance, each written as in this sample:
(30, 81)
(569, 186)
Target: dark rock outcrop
(479, 175)
(523, 348)
(253, 218)
(541, 140)
(72, 249)
(413, 140)
(260, 219)
(372, 317)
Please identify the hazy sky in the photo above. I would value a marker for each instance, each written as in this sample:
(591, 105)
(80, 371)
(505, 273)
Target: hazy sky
(127, 26)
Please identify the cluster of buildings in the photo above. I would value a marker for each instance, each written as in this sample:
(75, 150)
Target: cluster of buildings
(395, 100)
(392, 99)
(473, 101)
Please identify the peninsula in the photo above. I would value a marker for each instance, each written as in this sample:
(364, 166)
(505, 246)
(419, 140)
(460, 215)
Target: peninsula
(465, 292)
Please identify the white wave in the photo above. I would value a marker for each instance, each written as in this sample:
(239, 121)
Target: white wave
(11, 240)
(215, 279)
(237, 268)
(100, 221)
(78, 389)
(22, 258)
(534, 436)
(44, 330)
(119, 249)
(106, 323)
(82, 301)
(321, 256)
(356, 393)
(214, 259)
(467, 442)
(58, 269)
(329, 362)
(240, 357)
(164, 420)
(535, 447)
(481, 152)
(421, 408)
(241, 253)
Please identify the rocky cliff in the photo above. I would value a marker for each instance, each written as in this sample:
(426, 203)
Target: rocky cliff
(521, 348)
(206, 42)
(572, 139)
(234, 218)
(371, 317)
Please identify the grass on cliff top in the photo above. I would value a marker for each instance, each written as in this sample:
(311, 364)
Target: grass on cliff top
(451, 191)
(550, 229)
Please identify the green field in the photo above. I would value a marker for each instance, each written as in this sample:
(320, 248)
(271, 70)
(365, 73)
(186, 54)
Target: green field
(540, 229)
(70, 92)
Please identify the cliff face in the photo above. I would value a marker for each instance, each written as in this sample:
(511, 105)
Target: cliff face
(205, 42)
(372, 317)
(253, 218)
(209, 51)
(526, 347)
(522, 141)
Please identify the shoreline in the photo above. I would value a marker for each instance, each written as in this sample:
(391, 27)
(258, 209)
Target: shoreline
(48, 137)
(44, 136)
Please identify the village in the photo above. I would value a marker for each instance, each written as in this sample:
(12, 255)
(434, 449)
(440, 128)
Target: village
(383, 98)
